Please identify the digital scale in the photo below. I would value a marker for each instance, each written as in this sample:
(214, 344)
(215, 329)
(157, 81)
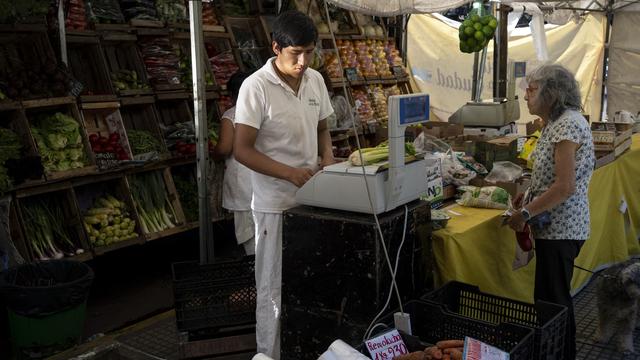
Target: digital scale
(391, 184)
(493, 113)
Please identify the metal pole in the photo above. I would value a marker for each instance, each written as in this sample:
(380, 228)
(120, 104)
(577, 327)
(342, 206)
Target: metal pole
(474, 83)
(605, 60)
(63, 33)
(202, 134)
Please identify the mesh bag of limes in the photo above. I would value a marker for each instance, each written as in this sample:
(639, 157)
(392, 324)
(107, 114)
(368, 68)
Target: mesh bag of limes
(476, 31)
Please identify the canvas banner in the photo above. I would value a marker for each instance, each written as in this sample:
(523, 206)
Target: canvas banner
(440, 69)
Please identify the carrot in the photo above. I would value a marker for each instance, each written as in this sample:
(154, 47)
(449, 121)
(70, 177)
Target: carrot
(429, 351)
(445, 344)
(437, 354)
(455, 353)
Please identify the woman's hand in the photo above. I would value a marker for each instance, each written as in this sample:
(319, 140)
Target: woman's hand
(517, 203)
(516, 221)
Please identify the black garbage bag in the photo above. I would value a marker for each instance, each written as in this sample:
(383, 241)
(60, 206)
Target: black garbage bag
(44, 288)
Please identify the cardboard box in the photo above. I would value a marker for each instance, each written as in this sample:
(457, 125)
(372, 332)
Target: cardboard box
(499, 149)
(441, 129)
(608, 136)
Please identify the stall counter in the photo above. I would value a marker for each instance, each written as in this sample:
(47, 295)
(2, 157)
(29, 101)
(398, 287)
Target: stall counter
(474, 248)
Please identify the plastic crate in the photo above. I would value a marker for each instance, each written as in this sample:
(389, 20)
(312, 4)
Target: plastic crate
(431, 323)
(548, 320)
(214, 296)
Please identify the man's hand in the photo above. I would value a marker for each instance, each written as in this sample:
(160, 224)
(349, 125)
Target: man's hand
(328, 161)
(299, 176)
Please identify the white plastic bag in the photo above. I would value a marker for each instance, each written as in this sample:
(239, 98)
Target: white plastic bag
(504, 171)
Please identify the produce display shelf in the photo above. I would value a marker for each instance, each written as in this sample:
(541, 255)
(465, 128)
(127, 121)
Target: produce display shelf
(101, 250)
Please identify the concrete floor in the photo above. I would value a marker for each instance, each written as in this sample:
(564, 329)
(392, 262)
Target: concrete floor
(157, 338)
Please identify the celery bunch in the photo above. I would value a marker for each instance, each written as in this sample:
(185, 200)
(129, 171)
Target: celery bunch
(377, 154)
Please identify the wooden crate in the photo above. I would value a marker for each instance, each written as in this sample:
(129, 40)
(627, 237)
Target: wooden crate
(156, 72)
(69, 217)
(139, 113)
(182, 40)
(103, 119)
(222, 59)
(27, 58)
(121, 53)
(211, 18)
(245, 30)
(35, 108)
(170, 112)
(86, 195)
(172, 197)
(17, 236)
(214, 184)
(87, 63)
(16, 121)
(185, 176)
(608, 136)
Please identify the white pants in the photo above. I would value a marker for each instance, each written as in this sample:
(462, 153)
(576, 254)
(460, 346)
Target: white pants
(268, 282)
(245, 230)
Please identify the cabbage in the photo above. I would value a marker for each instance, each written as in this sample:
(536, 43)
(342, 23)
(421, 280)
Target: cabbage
(74, 154)
(63, 165)
(73, 138)
(56, 141)
(76, 164)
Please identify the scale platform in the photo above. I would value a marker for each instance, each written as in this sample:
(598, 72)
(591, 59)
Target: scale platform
(342, 186)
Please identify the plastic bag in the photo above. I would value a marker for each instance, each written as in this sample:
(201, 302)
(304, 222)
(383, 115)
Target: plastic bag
(429, 143)
(342, 111)
(489, 197)
(528, 148)
(504, 171)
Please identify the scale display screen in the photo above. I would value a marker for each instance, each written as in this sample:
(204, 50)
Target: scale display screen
(414, 109)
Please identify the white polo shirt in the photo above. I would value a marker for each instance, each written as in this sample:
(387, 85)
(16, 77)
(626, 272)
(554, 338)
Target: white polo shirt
(287, 129)
(236, 187)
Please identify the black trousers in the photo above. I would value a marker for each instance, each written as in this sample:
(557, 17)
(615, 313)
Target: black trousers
(554, 270)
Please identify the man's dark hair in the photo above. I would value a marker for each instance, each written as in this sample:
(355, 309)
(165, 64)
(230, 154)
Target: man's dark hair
(293, 28)
(234, 83)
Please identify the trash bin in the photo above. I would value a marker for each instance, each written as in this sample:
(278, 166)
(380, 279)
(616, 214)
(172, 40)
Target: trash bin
(46, 305)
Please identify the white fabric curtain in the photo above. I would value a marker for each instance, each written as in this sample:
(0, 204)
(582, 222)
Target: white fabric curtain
(398, 7)
(623, 82)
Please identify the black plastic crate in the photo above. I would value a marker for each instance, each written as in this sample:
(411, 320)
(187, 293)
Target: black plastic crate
(431, 323)
(214, 296)
(548, 320)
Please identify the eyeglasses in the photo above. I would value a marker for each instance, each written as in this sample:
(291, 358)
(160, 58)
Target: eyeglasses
(531, 89)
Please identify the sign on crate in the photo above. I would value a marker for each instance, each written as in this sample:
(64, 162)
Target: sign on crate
(476, 349)
(106, 161)
(386, 346)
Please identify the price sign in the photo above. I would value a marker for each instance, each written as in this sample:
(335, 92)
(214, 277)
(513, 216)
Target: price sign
(386, 346)
(106, 161)
(351, 74)
(398, 71)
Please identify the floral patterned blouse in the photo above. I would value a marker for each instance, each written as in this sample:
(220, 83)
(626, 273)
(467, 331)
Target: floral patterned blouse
(570, 219)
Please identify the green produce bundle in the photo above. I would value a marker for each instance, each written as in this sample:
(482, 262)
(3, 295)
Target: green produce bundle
(142, 142)
(476, 31)
(59, 142)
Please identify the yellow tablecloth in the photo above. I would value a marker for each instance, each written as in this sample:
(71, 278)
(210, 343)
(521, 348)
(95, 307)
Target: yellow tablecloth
(475, 249)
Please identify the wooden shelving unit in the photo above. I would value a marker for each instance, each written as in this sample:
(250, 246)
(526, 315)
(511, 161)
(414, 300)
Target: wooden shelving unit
(232, 41)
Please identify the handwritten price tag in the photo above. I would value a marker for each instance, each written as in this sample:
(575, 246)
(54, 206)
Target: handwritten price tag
(386, 346)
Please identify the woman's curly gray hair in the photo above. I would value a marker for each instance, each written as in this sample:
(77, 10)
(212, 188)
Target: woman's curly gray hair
(557, 88)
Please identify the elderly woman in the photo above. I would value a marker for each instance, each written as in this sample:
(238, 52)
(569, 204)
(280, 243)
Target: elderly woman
(563, 162)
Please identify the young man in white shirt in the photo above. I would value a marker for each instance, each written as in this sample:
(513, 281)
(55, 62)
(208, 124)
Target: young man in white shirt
(281, 129)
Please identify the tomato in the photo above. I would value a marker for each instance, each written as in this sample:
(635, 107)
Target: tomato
(114, 137)
(109, 149)
(103, 141)
(93, 138)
